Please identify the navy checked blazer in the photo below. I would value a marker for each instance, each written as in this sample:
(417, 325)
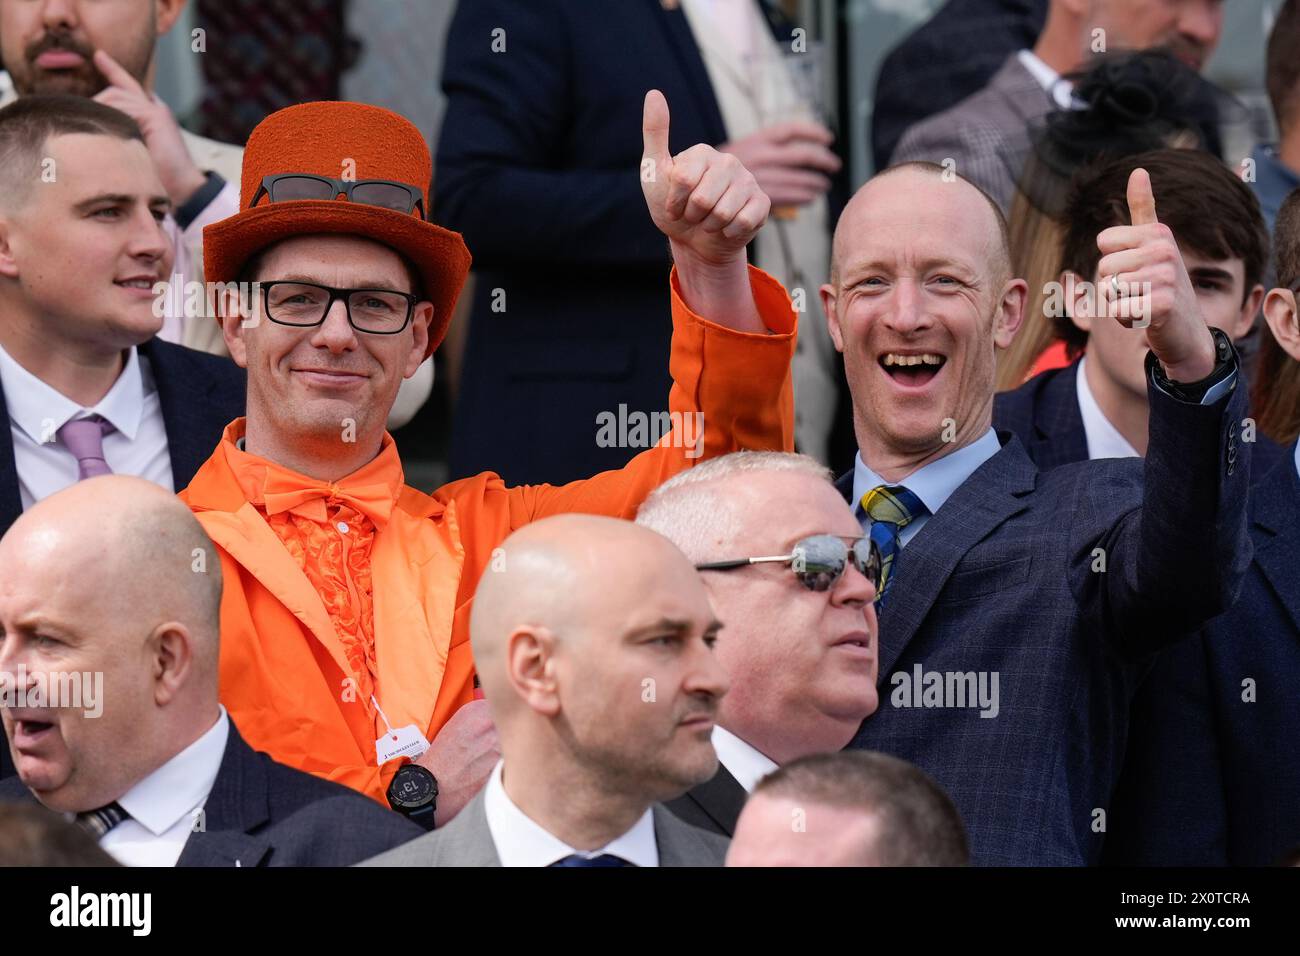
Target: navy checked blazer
(1001, 581)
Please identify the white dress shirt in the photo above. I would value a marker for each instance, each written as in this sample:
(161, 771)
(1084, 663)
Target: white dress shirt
(1059, 89)
(138, 446)
(1104, 439)
(742, 761)
(164, 806)
(521, 841)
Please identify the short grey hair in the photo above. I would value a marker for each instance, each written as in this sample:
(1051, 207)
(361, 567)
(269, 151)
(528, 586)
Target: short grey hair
(692, 512)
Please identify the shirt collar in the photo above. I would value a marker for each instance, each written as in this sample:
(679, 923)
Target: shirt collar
(1297, 458)
(1104, 439)
(1056, 86)
(1273, 178)
(935, 481)
(520, 841)
(182, 784)
(744, 762)
(40, 410)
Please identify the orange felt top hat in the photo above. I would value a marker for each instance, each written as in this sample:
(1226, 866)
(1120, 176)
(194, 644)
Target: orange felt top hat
(340, 141)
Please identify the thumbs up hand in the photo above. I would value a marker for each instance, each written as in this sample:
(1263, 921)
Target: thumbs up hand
(1143, 284)
(704, 201)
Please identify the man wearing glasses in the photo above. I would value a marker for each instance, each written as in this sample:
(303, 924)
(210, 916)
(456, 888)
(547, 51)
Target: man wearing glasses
(345, 619)
(793, 587)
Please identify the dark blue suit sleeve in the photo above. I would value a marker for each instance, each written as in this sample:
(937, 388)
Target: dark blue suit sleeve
(1179, 560)
(506, 176)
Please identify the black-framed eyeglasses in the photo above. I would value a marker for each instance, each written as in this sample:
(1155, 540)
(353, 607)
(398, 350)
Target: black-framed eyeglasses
(304, 304)
(384, 193)
(817, 561)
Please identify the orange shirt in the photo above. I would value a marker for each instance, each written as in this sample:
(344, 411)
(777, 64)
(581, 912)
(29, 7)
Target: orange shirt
(290, 674)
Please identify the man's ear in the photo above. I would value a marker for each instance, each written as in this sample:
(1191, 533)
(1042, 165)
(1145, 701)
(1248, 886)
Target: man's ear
(1249, 309)
(166, 13)
(1011, 312)
(1081, 299)
(171, 650)
(829, 299)
(8, 265)
(238, 313)
(420, 320)
(530, 668)
(1283, 320)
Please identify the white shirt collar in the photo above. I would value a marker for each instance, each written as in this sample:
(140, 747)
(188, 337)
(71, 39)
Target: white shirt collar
(1104, 439)
(1058, 88)
(521, 841)
(744, 762)
(1297, 458)
(182, 784)
(40, 410)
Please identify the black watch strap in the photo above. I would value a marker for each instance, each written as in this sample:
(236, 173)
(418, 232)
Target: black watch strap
(1225, 363)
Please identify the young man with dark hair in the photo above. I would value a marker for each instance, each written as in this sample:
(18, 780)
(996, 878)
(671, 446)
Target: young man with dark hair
(1277, 165)
(1211, 776)
(1097, 406)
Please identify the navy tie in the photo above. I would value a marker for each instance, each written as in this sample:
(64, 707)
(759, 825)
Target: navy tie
(605, 859)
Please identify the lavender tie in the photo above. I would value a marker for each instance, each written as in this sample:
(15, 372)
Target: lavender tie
(85, 439)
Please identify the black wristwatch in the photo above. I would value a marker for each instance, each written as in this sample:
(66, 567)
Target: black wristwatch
(1225, 363)
(414, 794)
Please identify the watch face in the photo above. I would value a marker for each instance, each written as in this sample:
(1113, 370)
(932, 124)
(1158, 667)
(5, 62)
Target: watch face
(412, 787)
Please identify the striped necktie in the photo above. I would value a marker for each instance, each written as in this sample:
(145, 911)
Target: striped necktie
(891, 508)
(98, 822)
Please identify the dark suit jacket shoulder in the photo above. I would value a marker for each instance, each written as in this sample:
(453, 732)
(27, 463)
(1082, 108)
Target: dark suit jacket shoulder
(261, 813)
(1044, 414)
(1211, 776)
(714, 805)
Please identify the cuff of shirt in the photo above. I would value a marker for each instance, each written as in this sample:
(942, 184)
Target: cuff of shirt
(189, 210)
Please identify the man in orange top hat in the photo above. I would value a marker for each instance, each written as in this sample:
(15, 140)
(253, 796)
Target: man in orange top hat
(345, 620)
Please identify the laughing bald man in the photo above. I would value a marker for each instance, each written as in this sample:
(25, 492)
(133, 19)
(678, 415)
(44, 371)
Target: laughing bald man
(112, 588)
(594, 643)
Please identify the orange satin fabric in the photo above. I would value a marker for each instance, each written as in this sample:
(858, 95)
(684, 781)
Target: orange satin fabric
(287, 675)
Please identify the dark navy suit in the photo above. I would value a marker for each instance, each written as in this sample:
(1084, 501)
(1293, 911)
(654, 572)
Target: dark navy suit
(199, 395)
(1209, 778)
(1001, 581)
(261, 813)
(538, 165)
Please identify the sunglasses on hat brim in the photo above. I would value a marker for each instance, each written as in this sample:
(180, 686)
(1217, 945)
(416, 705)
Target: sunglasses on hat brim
(383, 193)
(818, 561)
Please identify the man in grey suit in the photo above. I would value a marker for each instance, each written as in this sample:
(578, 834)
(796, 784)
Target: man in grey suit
(987, 135)
(593, 640)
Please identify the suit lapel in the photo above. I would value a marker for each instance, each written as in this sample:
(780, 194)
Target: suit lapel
(1276, 508)
(681, 40)
(721, 798)
(182, 396)
(995, 492)
(1059, 423)
(237, 805)
(11, 502)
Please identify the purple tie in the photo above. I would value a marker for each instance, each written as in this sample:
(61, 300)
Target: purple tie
(85, 439)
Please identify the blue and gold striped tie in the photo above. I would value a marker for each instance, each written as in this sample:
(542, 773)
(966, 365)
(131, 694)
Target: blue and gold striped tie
(891, 508)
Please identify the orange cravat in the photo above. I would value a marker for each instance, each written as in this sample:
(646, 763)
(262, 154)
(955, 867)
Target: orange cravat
(329, 529)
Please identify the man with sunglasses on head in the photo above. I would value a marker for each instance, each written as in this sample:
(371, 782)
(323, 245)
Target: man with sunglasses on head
(345, 618)
(793, 587)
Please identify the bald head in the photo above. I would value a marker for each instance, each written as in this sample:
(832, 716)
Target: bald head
(132, 547)
(593, 642)
(928, 186)
(110, 586)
